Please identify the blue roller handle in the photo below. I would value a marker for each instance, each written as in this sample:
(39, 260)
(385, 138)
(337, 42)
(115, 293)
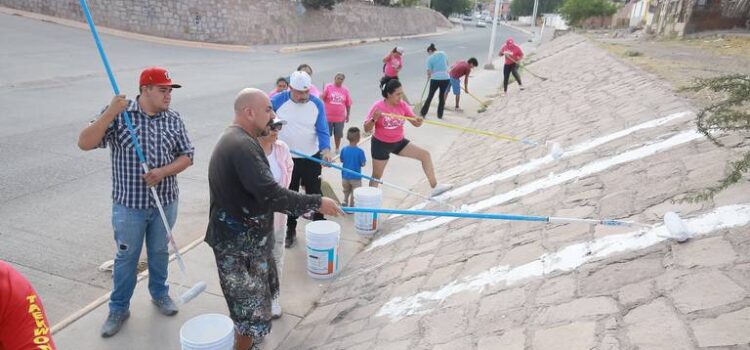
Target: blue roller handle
(447, 213)
(323, 162)
(510, 217)
(112, 81)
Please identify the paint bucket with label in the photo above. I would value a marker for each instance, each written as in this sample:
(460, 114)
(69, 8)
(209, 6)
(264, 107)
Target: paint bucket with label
(322, 238)
(367, 197)
(207, 332)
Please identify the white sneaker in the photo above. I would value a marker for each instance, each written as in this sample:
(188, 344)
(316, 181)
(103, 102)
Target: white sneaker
(440, 189)
(275, 309)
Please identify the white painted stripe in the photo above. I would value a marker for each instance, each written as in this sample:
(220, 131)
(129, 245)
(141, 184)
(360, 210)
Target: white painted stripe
(589, 169)
(535, 164)
(566, 259)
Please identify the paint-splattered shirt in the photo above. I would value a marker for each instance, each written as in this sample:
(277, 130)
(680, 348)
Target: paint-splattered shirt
(244, 194)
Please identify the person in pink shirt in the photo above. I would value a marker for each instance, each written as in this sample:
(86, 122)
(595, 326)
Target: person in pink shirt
(389, 137)
(307, 69)
(338, 103)
(392, 65)
(393, 62)
(281, 85)
(513, 55)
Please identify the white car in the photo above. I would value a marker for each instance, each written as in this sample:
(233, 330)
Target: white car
(481, 24)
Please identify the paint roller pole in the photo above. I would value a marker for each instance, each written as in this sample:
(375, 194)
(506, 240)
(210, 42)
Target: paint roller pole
(509, 217)
(138, 150)
(396, 187)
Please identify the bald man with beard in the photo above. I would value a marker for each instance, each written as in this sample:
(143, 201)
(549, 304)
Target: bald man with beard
(244, 196)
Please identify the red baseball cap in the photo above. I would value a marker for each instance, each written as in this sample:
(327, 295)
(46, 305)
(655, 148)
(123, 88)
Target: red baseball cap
(157, 76)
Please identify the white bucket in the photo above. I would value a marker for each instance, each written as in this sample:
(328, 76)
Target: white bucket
(322, 238)
(367, 197)
(208, 332)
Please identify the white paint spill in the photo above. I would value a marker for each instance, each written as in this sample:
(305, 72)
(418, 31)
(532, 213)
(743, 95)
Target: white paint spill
(566, 259)
(555, 150)
(538, 162)
(586, 170)
(676, 227)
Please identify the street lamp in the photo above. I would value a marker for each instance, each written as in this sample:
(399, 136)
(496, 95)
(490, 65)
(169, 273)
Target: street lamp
(491, 53)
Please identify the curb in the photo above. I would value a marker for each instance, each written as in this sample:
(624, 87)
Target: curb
(517, 28)
(72, 318)
(354, 42)
(122, 33)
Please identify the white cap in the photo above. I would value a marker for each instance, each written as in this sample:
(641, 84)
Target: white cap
(300, 81)
(400, 49)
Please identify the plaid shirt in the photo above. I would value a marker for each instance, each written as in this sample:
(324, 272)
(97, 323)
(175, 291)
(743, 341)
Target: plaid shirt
(162, 138)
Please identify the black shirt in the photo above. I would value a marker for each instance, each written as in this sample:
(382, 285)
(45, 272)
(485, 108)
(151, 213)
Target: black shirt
(244, 194)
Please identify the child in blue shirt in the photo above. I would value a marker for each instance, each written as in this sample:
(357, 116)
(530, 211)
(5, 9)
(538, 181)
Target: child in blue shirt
(353, 159)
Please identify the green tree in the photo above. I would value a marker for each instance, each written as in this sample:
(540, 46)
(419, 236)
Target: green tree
(526, 7)
(731, 114)
(318, 4)
(574, 11)
(447, 7)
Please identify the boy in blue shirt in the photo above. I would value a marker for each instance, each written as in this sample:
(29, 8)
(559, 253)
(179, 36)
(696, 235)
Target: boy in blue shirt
(353, 159)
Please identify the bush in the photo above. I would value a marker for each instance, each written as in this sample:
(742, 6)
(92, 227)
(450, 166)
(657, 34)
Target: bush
(731, 115)
(447, 7)
(574, 11)
(526, 7)
(318, 4)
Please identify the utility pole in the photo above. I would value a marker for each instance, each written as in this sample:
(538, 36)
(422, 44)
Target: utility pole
(491, 53)
(533, 16)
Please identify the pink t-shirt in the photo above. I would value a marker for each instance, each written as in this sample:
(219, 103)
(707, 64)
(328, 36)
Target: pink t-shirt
(389, 129)
(460, 69)
(336, 100)
(395, 62)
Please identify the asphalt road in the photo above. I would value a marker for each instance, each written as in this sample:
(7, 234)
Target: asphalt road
(55, 203)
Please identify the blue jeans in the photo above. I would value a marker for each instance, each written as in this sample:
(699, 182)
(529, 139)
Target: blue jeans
(131, 226)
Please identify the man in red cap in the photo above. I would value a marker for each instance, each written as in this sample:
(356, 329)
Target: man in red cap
(135, 217)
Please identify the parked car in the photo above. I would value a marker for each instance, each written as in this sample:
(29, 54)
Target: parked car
(468, 18)
(481, 24)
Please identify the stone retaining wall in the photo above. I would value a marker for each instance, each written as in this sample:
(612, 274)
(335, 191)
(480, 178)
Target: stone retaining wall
(243, 21)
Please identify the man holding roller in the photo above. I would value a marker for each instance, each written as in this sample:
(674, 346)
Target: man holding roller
(135, 217)
(244, 197)
(307, 132)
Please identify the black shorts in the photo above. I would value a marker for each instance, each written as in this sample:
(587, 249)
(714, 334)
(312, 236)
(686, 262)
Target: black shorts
(382, 150)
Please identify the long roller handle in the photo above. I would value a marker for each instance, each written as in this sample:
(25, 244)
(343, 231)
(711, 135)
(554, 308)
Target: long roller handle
(498, 216)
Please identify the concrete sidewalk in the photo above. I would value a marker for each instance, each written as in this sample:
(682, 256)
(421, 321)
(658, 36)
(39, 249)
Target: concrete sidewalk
(148, 329)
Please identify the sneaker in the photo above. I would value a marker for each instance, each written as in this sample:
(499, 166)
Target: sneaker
(291, 237)
(521, 87)
(458, 109)
(440, 189)
(275, 308)
(166, 305)
(113, 323)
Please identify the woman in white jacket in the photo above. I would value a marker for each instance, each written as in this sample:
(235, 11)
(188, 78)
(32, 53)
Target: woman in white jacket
(281, 164)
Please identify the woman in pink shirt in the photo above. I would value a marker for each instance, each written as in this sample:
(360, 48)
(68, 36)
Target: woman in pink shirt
(338, 103)
(389, 135)
(392, 65)
(281, 85)
(307, 69)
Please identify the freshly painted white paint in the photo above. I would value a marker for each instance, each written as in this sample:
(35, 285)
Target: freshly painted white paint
(566, 259)
(553, 180)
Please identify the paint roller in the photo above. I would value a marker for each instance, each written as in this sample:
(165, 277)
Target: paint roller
(676, 227)
(200, 286)
(396, 187)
